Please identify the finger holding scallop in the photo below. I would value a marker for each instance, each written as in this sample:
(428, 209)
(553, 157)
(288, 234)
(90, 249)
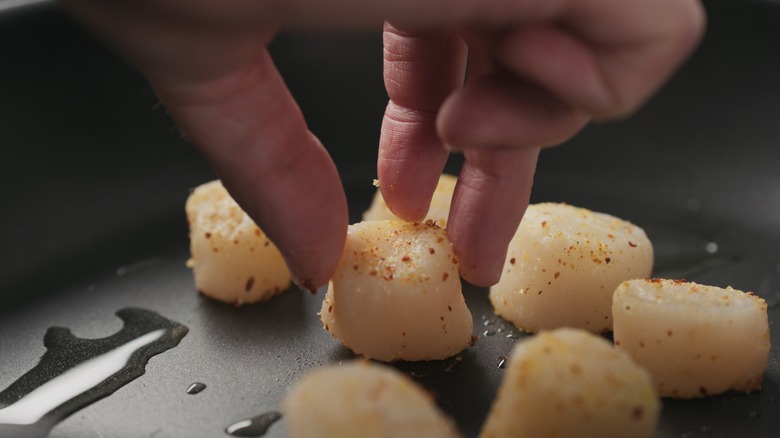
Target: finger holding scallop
(396, 294)
(438, 211)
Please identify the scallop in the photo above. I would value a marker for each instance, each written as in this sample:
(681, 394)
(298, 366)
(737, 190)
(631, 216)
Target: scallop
(562, 266)
(438, 211)
(362, 399)
(695, 340)
(571, 383)
(396, 293)
(231, 258)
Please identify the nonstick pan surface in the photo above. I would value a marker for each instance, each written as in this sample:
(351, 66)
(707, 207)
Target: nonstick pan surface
(95, 176)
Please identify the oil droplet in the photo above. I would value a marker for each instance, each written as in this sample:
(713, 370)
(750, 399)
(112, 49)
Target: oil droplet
(712, 247)
(255, 426)
(75, 372)
(196, 388)
(502, 362)
(489, 332)
(487, 322)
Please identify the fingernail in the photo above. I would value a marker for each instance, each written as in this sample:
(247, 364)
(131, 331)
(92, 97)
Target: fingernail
(305, 283)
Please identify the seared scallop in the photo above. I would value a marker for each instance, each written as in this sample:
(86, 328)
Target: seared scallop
(231, 258)
(396, 293)
(362, 399)
(571, 383)
(695, 340)
(562, 266)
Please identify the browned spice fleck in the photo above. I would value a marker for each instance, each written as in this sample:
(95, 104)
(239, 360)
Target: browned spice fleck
(330, 309)
(632, 244)
(669, 333)
(431, 250)
(449, 308)
(512, 261)
(249, 283)
(544, 224)
(445, 276)
(406, 258)
(440, 240)
(473, 341)
(557, 274)
(257, 232)
(355, 267)
(607, 259)
(642, 344)
(208, 235)
(703, 391)
(267, 242)
(637, 413)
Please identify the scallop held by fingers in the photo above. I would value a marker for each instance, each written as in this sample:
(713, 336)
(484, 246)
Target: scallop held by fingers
(231, 258)
(396, 293)
(361, 399)
(438, 212)
(571, 383)
(562, 266)
(695, 340)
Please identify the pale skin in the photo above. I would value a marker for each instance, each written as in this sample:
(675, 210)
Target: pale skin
(538, 71)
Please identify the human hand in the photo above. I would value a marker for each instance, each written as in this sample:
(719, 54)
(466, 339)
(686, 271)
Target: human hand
(539, 70)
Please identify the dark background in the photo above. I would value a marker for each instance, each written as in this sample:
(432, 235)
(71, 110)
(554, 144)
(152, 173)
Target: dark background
(93, 178)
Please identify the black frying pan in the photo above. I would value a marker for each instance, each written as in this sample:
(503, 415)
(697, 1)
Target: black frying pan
(94, 177)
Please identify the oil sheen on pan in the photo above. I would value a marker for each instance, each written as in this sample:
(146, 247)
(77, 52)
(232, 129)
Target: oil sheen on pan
(75, 372)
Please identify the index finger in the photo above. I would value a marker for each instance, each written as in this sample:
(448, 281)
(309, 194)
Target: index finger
(253, 134)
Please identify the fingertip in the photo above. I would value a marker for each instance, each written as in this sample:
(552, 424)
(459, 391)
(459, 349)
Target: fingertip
(314, 251)
(405, 200)
(483, 272)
